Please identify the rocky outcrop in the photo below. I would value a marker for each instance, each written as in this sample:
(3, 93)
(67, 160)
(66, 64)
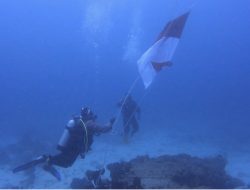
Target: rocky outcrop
(179, 171)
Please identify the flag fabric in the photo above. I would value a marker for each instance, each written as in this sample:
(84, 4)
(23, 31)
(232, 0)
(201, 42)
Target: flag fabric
(159, 55)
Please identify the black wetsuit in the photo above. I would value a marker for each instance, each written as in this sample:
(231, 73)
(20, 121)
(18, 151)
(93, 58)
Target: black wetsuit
(77, 142)
(129, 111)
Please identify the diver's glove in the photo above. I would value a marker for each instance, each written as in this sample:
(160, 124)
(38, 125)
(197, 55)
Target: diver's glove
(112, 120)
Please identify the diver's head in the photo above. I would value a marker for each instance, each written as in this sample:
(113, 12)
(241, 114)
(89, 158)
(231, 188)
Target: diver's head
(87, 114)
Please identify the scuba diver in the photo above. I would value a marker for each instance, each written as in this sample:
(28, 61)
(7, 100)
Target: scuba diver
(76, 140)
(129, 109)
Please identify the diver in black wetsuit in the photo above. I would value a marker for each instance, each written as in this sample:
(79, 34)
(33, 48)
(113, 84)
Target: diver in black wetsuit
(76, 140)
(129, 109)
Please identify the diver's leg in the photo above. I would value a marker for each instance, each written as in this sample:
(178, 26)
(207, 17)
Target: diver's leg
(126, 129)
(33, 163)
(49, 168)
(135, 125)
(64, 159)
(39, 160)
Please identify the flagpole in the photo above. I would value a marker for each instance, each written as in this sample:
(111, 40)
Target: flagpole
(114, 131)
(127, 95)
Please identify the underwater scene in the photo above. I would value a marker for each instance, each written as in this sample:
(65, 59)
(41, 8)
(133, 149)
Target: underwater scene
(124, 94)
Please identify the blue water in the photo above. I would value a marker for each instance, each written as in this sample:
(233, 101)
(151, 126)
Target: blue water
(57, 56)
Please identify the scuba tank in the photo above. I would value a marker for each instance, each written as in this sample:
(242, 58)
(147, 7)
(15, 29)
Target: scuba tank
(65, 141)
(65, 138)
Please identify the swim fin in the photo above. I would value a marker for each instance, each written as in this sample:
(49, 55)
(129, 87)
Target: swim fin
(49, 168)
(30, 164)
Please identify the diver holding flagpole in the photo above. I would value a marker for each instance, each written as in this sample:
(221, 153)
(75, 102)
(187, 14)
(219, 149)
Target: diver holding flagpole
(76, 140)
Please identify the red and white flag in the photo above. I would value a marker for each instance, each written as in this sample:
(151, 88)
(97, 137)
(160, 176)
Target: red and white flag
(159, 55)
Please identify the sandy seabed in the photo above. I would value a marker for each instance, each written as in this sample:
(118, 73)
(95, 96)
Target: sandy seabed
(110, 148)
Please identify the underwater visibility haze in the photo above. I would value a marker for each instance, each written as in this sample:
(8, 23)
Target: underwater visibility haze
(58, 56)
